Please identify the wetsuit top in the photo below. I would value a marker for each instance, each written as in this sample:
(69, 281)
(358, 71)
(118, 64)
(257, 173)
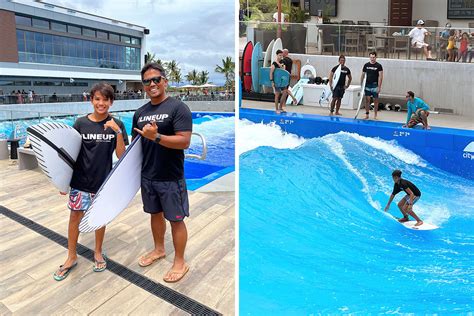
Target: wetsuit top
(372, 71)
(417, 104)
(95, 157)
(403, 185)
(161, 163)
(342, 78)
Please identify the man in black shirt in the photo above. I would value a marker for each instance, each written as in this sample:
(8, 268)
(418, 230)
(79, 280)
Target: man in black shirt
(341, 85)
(373, 83)
(101, 136)
(406, 204)
(165, 124)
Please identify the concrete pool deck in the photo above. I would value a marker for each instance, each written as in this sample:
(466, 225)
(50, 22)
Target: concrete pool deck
(440, 120)
(28, 259)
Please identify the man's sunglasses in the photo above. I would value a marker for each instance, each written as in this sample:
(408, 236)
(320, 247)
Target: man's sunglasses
(156, 80)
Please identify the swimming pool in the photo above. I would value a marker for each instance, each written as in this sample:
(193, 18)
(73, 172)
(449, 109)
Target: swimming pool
(314, 239)
(217, 128)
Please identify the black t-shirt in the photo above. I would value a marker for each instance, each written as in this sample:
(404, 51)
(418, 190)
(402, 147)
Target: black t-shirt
(288, 62)
(95, 157)
(403, 185)
(162, 163)
(277, 65)
(342, 78)
(372, 71)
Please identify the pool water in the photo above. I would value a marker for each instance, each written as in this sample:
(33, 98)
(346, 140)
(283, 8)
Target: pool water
(314, 238)
(217, 128)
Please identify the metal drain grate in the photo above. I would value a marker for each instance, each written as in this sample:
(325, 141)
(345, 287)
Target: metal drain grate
(171, 296)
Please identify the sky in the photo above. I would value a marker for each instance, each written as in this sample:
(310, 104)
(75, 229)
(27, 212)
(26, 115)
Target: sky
(197, 34)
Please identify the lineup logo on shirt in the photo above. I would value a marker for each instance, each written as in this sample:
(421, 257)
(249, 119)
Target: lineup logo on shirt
(372, 68)
(153, 118)
(99, 137)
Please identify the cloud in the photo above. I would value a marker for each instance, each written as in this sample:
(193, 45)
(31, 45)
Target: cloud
(197, 34)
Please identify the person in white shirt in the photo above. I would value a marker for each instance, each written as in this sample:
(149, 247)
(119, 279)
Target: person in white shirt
(417, 36)
(275, 17)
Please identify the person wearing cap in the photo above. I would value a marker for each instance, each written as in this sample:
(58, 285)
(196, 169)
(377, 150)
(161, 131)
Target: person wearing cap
(417, 36)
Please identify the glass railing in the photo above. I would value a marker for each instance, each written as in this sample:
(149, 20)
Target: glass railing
(359, 40)
(13, 124)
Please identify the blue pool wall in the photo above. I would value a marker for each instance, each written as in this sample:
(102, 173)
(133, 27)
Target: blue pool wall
(442, 147)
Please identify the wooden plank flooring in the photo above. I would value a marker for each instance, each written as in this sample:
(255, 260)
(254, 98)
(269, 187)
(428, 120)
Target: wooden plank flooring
(28, 260)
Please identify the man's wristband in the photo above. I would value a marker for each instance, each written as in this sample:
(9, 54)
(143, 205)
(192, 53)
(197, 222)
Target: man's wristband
(118, 132)
(158, 138)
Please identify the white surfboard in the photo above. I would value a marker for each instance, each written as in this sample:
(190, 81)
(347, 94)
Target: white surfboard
(424, 226)
(362, 96)
(267, 62)
(56, 146)
(276, 46)
(335, 77)
(297, 91)
(117, 191)
(327, 92)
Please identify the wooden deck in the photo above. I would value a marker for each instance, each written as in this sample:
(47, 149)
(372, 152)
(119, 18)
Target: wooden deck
(28, 260)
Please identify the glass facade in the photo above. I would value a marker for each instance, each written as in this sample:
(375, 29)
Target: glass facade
(42, 48)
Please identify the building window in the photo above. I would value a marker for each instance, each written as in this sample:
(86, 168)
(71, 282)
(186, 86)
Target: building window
(42, 24)
(135, 41)
(37, 47)
(125, 39)
(102, 35)
(88, 32)
(22, 20)
(73, 29)
(114, 37)
(58, 27)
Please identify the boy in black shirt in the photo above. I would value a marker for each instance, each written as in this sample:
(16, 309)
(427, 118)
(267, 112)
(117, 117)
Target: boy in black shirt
(166, 126)
(373, 83)
(341, 86)
(406, 204)
(101, 136)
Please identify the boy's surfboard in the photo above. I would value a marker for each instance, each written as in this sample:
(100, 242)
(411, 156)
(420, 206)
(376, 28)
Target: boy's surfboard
(424, 226)
(56, 146)
(281, 77)
(118, 189)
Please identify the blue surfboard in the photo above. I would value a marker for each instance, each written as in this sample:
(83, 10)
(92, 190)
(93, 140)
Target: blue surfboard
(257, 63)
(281, 77)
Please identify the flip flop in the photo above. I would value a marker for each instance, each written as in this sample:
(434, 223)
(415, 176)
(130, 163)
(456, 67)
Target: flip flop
(65, 270)
(181, 275)
(147, 257)
(96, 263)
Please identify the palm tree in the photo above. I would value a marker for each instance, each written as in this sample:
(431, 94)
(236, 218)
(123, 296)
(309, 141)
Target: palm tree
(178, 77)
(227, 69)
(173, 70)
(203, 77)
(192, 77)
(150, 57)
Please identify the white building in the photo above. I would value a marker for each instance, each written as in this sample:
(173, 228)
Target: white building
(53, 49)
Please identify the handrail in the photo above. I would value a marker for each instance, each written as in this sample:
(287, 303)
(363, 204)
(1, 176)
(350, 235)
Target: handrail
(204, 149)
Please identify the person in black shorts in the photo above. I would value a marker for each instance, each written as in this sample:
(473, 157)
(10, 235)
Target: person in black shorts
(288, 62)
(341, 85)
(373, 83)
(406, 204)
(101, 136)
(278, 91)
(165, 125)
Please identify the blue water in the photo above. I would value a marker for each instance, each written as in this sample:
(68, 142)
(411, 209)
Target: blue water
(217, 129)
(313, 238)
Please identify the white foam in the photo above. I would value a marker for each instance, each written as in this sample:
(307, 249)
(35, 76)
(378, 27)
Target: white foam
(391, 148)
(338, 150)
(251, 136)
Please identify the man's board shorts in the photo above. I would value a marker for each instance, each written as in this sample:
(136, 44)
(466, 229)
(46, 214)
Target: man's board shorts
(370, 90)
(416, 118)
(79, 200)
(406, 199)
(169, 197)
(338, 92)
